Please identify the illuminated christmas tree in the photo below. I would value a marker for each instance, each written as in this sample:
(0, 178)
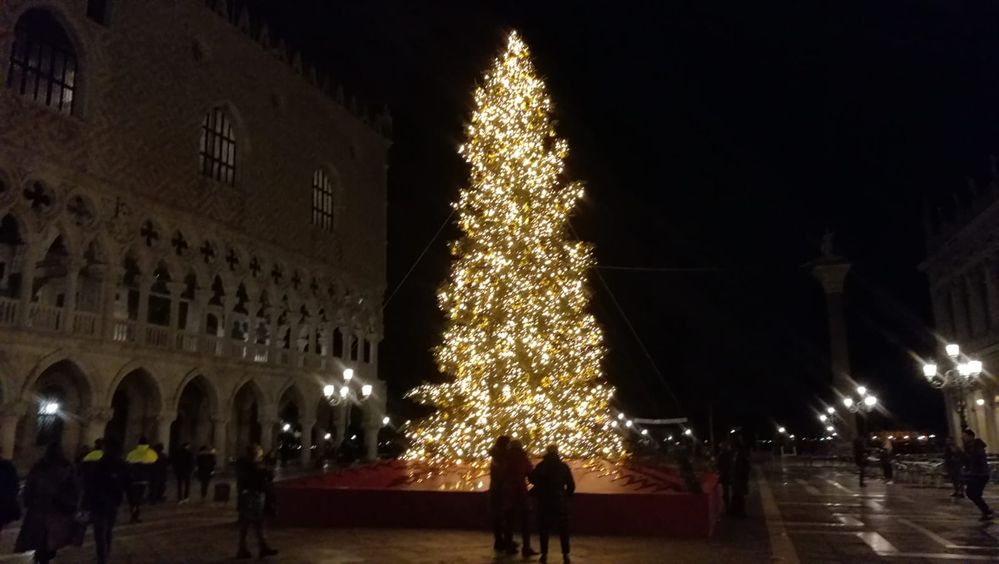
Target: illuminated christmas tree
(522, 352)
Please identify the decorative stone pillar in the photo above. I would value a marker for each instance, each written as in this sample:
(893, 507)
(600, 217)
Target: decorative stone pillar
(989, 415)
(145, 284)
(307, 426)
(29, 264)
(163, 423)
(219, 426)
(113, 278)
(10, 416)
(96, 424)
(228, 303)
(831, 271)
(268, 421)
(176, 288)
(69, 298)
(373, 414)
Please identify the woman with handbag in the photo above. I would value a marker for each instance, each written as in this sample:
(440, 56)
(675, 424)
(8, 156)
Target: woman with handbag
(52, 499)
(253, 478)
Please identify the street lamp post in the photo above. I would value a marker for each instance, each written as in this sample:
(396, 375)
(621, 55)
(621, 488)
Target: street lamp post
(862, 404)
(961, 376)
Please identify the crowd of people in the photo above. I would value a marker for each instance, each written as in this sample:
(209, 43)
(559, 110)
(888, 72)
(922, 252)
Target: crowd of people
(62, 498)
(510, 473)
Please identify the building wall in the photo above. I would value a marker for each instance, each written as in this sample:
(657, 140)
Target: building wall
(250, 291)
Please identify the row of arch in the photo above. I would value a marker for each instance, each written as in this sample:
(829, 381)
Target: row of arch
(62, 402)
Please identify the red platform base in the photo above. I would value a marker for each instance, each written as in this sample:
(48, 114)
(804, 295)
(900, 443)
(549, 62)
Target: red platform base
(628, 499)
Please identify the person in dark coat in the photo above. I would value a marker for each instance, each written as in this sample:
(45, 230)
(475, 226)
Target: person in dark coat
(183, 467)
(887, 461)
(206, 462)
(724, 464)
(51, 497)
(518, 468)
(10, 509)
(976, 472)
(553, 485)
(253, 478)
(497, 479)
(740, 478)
(860, 457)
(107, 480)
(953, 463)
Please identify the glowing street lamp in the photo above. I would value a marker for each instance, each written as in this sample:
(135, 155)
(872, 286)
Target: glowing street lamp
(830, 410)
(781, 430)
(960, 374)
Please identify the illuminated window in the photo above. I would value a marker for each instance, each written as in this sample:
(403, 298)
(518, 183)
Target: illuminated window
(322, 200)
(218, 147)
(42, 62)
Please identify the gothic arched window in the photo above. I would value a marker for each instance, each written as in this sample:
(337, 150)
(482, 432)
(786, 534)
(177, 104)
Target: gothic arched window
(322, 200)
(218, 146)
(43, 64)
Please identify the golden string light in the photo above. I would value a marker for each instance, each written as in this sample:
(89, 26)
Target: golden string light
(522, 351)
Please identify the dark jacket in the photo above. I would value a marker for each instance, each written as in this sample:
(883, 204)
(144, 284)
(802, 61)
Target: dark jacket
(10, 509)
(253, 481)
(206, 465)
(553, 482)
(518, 468)
(953, 461)
(183, 462)
(976, 461)
(497, 472)
(740, 471)
(51, 497)
(105, 485)
(859, 452)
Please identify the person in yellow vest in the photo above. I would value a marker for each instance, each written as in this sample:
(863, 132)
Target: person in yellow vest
(140, 462)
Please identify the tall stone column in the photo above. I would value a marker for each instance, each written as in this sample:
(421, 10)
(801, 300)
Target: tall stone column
(373, 414)
(29, 264)
(831, 271)
(145, 283)
(9, 419)
(163, 423)
(176, 288)
(307, 426)
(113, 276)
(69, 299)
(268, 421)
(219, 426)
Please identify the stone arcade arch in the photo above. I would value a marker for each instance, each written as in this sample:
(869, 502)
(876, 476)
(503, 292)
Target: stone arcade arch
(136, 408)
(250, 422)
(59, 400)
(197, 416)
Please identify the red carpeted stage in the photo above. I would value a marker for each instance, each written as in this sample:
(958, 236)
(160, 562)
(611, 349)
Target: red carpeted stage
(625, 499)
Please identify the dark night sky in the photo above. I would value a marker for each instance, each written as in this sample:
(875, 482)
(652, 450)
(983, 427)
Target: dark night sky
(724, 135)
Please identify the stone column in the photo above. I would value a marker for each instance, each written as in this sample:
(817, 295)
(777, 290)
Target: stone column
(176, 289)
(268, 420)
(145, 283)
(219, 427)
(163, 423)
(373, 413)
(29, 263)
(69, 299)
(112, 278)
(831, 272)
(307, 426)
(293, 324)
(228, 303)
(340, 417)
(989, 415)
(10, 416)
(96, 424)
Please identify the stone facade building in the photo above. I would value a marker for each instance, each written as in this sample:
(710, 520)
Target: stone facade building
(962, 265)
(192, 232)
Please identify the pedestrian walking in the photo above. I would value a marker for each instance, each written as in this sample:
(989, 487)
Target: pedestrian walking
(860, 457)
(107, 480)
(497, 481)
(740, 478)
(253, 477)
(51, 499)
(10, 509)
(140, 462)
(553, 485)
(724, 467)
(206, 462)
(953, 463)
(183, 467)
(159, 471)
(518, 468)
(887, 461)
(976, 472)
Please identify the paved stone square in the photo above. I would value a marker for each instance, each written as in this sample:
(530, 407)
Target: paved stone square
(797, 514)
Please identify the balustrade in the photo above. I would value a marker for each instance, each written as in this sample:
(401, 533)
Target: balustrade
(187, 342)
(85, 324)
(125, 331)
(157, 336)
(45, 317)
(8, 311)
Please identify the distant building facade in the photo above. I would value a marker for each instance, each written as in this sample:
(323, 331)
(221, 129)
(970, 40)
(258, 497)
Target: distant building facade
(962, 265)
(192, 232)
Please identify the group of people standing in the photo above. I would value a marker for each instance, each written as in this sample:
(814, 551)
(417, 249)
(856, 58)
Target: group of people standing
(733, 467)
(510, 472)
(886, 457)
(61, 498)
